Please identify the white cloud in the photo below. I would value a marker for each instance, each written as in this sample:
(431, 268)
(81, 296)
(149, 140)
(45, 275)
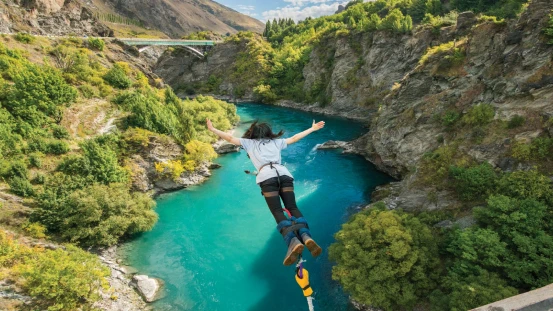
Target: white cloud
(304, 2)
(246, 9)
(298, 13)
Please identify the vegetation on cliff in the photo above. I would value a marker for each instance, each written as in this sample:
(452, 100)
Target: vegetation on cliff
(78, 181)
(275, 71)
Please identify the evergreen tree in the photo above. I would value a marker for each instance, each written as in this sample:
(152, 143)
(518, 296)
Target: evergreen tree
(417, 10)
(373, 22)
(434, 7)
(407, 25)
(351, 22)
(276, 26)
(267, 29)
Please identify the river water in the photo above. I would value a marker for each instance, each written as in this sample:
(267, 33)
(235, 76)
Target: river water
(216, 246)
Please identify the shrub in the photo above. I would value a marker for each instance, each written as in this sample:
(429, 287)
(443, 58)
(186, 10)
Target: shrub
(96, 43)
(100, 215)
(24, 37)
(57, 147)
(526, 185)
(450, 118)
(60, 132)
(199, 152)
(35, 230)
(479, 115)
(88, 91)
(264, 94)
(21, 187)
(474, 183)
(16, 169)
(435, 165)
(53, 198)
(99, 162)
(117, 77)
(516, 121)
(174, 168)
(37, 93)
(35, 159)
(549, 29)
(385, 259)
(63, 279)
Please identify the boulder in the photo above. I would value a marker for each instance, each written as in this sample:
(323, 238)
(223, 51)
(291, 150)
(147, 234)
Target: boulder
(465, 21)
(333, 144)
(222, 147)
(147, 287)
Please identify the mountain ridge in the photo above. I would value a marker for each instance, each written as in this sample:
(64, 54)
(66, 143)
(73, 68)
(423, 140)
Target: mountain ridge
(181, 17)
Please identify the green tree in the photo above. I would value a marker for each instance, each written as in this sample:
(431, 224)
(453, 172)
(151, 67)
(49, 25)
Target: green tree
(526, 185)
(99, 162)
(268, 28)
(474, 183)
(434, 7)
(100, 215)
(461, 293)
(417, 10)
(374, 22)
(385, 259)
(524, 225)
(118, 78)
(407, 25)
(393, 21)
(37, 93)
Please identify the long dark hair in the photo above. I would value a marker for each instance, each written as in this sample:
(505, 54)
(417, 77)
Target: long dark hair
(261, 131)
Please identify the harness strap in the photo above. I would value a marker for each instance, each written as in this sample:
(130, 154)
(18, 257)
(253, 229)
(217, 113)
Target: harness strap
(293, 228)
(270, 194)
(306, 287)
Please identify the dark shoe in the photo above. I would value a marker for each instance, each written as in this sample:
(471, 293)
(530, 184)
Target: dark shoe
(312, 246)
(294, 249)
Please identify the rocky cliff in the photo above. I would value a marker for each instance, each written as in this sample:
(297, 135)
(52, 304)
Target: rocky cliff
(50, 17)
(406, 90)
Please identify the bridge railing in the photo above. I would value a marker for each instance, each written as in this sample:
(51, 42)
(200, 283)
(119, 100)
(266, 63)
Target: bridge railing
(168, 42)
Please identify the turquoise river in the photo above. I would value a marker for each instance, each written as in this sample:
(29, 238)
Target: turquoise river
(216, 246)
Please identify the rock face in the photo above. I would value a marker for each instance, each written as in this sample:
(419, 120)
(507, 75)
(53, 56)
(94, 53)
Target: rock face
(506, 66)
(145, 178)
(147, 287)
(184, 71)
(50, 17)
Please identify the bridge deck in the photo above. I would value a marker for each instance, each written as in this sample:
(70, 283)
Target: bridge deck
(168, 42)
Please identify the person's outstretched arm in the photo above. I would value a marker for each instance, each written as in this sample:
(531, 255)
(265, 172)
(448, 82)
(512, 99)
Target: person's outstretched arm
(315, 127)
(226, 136)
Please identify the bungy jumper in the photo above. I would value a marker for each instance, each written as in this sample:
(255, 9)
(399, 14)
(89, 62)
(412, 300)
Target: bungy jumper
(301, 274)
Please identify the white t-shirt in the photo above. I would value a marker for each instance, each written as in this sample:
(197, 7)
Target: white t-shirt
(263, 151)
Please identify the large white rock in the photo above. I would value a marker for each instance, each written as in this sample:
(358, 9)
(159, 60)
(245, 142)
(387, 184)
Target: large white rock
(147, 287)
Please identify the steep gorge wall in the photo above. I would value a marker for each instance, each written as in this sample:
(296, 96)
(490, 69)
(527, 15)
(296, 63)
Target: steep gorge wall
(378, 76)
(50, 17)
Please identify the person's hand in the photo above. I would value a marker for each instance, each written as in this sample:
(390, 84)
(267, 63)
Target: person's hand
(209, 125)
(317, 126)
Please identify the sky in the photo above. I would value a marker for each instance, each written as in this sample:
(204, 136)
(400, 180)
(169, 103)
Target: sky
(295, 9)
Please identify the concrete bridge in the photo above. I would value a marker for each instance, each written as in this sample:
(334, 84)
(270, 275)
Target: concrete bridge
(196, 47)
